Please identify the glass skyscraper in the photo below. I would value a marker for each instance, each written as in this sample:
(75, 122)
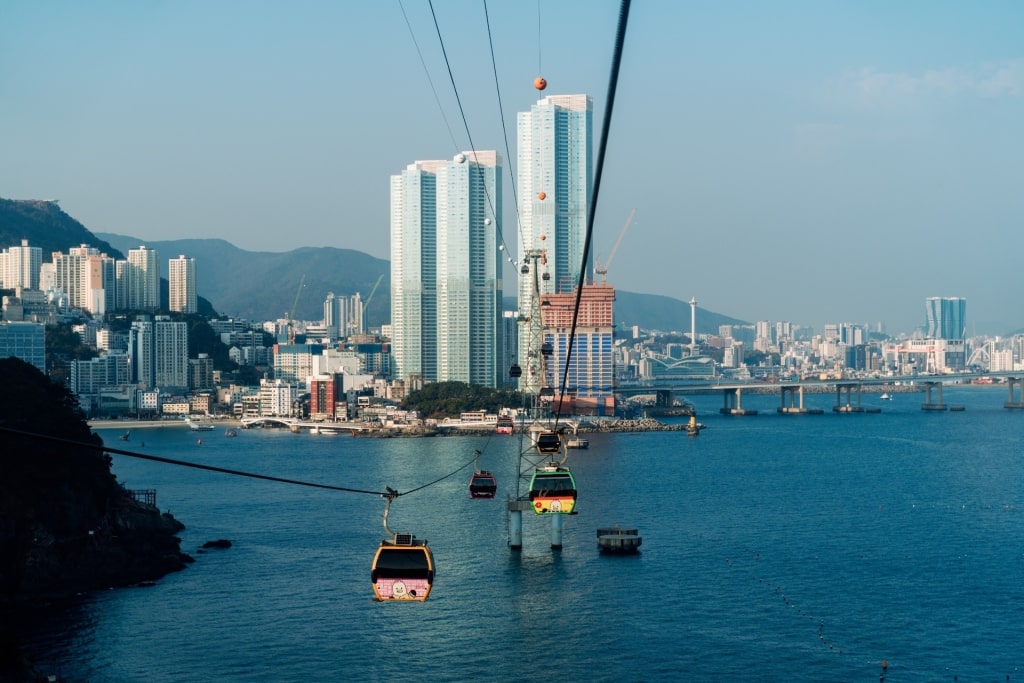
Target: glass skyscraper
(945, 317)
(555, 178)
(446, 286)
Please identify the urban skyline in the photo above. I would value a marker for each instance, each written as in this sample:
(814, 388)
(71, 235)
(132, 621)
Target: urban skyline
(843, 154)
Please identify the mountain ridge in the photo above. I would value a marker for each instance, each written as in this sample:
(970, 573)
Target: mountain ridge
(263, 285)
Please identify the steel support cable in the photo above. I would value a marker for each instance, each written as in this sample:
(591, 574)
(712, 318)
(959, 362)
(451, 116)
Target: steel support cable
(389, 492)
(504, 131)
(465, 122)
(426, 71)
(613, 80)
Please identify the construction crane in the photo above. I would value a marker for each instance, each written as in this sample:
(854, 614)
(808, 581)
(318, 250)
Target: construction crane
(602, 270)
(366, 304)
(295, 301)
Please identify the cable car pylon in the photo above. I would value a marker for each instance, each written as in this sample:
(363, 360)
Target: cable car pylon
(549, 486)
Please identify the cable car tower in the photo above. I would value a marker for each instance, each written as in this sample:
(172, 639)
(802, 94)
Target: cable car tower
(544, 484)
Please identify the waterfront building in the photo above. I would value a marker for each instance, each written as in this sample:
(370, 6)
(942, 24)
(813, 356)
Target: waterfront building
(200, 373)
(414, 270)
(296, 362)
(323, 396)
(24, 340)
(590, 379)
(181, 281)
(446, 286)
(19, 267)
(277, 398)
(89, 377)
(140, 278)
(554, 172)
(158, 353)
(469, 266)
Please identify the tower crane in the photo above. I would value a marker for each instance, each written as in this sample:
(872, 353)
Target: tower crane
(602, 270)
(295, 301)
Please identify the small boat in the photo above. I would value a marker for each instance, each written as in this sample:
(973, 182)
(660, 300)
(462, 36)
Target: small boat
(885, 397)
(619, 541)
(230, 432)
(505, 425)
(200, 427)
(577, 442)
(127, 435)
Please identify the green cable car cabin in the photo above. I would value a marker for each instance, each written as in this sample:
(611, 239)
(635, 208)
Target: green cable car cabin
(403, 569)
(553, 490)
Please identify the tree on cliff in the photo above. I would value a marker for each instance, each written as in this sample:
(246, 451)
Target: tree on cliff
(66, 524)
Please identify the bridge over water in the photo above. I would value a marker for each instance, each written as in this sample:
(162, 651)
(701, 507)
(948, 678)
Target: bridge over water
(848, 391)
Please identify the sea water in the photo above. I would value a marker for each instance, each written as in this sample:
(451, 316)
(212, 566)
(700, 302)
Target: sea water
(809, 548)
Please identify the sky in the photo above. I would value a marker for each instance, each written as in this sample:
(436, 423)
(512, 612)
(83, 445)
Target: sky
(809, 162)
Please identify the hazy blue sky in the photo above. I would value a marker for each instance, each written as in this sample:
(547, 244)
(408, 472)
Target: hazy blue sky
(804, 161)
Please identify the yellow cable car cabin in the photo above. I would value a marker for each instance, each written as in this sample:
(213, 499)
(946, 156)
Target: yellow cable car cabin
(403, 569)
(553, 490)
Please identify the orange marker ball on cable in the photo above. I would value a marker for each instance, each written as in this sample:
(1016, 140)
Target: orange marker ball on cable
(539, 83)
(542, 196)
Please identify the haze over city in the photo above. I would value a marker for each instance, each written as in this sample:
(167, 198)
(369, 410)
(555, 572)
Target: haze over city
(798, 161)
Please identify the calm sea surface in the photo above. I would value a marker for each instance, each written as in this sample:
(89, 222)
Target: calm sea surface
(806, 548)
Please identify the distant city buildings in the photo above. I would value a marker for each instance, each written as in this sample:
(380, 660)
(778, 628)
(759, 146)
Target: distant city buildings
(945, 317)
(141, 280)
(23, 340)
(181, 281)
(19, 267)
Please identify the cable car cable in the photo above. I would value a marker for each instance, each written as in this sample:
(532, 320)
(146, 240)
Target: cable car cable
(613, 80)
(389, 492)
(504, 132)
(465, 122)
(426, 71)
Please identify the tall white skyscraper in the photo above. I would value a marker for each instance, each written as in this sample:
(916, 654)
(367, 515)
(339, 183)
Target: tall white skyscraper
(181, 279)
(141, 279)
(469, 286)
(555, 177)
(446, 284)
(414, 271)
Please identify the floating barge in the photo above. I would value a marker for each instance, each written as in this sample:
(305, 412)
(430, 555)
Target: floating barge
(614, 540)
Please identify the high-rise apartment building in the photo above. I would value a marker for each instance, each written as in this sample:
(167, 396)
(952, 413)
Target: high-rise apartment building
(19, 267)
(446, 286)
(590, 377)
(414, 271)
(181, 281)
(87, 278)
(945, 317)
(469, 284)
(555, 178)
(158, 354)
(140, 278)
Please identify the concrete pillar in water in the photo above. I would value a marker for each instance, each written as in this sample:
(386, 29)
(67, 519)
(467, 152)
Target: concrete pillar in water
(516, 529)
(556, 532)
